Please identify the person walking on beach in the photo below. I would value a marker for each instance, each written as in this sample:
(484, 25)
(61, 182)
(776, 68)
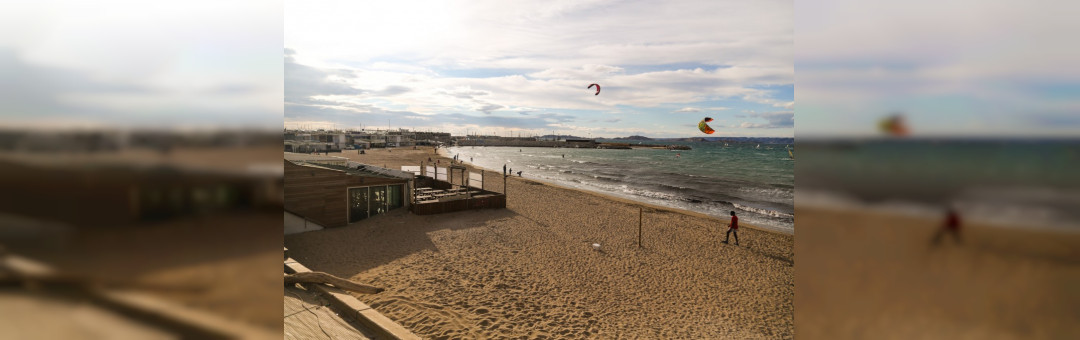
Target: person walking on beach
(951, 227)
(733, 227)
(504, 169)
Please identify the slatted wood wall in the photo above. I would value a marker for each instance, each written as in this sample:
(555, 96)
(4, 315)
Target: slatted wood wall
(316, 194)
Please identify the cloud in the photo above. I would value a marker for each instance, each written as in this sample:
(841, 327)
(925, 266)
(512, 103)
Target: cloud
(392, 90)
(688, 109)
(788, 105)
(591, 71)
(465, 93)
(302, 81)
(774, 120)
(488, 108)
(44, 96)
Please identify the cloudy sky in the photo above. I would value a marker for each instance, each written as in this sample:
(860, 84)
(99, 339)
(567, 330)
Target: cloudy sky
(954, 68)
(505, 67)
(136, 64)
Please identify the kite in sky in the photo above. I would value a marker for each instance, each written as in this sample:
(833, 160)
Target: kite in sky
(705, 127)
(894, 126)
(597, 88)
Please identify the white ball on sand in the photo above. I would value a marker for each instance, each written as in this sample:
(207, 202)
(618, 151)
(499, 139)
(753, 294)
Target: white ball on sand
(596, 246)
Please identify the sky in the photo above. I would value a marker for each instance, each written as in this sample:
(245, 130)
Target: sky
(510, 68)
(117, 64)
(977, 68)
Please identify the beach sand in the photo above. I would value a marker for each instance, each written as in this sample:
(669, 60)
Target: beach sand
(872, 275)
(531, 271)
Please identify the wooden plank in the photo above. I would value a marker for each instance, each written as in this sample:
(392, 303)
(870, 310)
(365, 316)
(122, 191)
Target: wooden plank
(349, 306)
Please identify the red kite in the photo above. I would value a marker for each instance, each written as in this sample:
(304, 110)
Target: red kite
(597, 88)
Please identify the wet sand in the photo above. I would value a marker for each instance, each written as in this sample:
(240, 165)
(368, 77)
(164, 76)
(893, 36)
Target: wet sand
(531, 271)
(871, 275)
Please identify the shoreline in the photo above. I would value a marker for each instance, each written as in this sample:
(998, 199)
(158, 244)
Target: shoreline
(837, 201)
(625, 200)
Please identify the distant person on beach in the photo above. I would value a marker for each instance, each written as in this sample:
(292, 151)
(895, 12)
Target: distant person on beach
(733, 228)
(470, 159)
(564, 155)
(504, 169)
(951, 227)
(429, 159)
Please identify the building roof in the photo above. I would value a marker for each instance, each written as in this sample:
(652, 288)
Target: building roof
(345, 165)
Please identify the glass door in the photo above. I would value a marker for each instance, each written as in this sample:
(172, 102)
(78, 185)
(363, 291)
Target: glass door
(394, 194)
(378, 200)
(358, 204)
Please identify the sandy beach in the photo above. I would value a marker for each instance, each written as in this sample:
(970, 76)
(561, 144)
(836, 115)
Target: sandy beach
(872, 275)
(530, 271)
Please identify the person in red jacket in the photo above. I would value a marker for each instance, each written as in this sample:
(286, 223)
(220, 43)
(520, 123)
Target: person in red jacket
(733, 228)
(951, 226)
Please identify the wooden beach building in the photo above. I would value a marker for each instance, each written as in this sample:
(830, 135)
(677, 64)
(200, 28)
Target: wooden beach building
(333, 192)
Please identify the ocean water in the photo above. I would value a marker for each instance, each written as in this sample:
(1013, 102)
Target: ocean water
(756, 182)
(1015, 182)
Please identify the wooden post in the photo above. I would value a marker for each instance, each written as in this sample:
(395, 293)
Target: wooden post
(482, 179)
(639, 213)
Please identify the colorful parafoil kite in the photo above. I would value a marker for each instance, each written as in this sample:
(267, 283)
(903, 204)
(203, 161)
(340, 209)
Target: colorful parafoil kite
(893, 125)
(705, 127)
(597, 88)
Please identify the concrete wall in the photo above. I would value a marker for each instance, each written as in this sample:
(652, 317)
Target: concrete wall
(295, 224)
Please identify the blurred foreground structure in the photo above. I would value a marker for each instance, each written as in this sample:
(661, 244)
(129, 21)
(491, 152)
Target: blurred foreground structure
(989, 128)
(177, 219)
(868, 214)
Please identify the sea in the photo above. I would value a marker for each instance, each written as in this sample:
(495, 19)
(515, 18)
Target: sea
(713, 178)
(1015, 182)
